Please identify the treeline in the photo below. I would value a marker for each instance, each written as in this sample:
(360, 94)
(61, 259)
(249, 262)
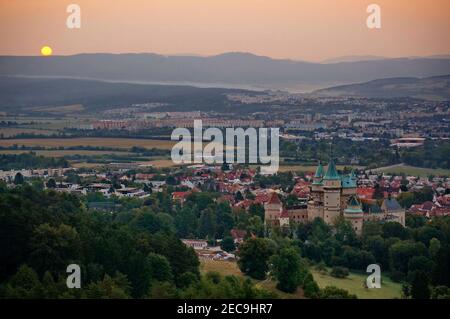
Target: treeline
(345, 151)
(30, 161)
(134, 253)
(433, 154)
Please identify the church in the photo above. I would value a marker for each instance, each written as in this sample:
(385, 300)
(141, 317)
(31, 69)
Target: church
(332, 195)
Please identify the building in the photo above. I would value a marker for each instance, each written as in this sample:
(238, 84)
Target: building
(332, 195)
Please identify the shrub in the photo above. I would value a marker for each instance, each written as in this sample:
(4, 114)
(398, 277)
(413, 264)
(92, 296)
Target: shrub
(339, 272)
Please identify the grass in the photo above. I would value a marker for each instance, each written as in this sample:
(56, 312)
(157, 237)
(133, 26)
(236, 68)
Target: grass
(124, 143)
(229, 268)
(417, 171)
(354, 284)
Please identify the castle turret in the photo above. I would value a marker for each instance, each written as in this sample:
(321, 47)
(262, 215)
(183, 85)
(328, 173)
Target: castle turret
(315, 205)
(332, 193)
(354, 214)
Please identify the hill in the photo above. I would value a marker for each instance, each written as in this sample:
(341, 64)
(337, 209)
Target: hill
(431, 88)
(234, 69)
(19, 94)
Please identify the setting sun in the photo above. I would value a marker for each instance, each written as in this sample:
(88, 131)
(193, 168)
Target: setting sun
(46, 51)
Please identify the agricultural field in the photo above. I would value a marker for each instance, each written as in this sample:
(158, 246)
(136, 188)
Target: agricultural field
(123, 143)
(354, 284)
(62, 153)
(66, 109)
(13, 131)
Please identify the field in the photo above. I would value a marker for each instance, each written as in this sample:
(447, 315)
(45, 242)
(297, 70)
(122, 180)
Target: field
(416, 171)
(228, 268)
(162, 163)
(60, 109)
(61, 153)
(123, 143)
(13, 131)
(354, 284)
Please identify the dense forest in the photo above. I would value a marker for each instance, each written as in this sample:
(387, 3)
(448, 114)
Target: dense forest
(433, 154)
(135, 253)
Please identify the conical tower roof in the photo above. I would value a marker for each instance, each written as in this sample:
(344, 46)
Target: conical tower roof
(319, 171)
(331, 173)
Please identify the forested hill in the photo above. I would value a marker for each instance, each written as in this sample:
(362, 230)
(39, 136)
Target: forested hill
(23, 94)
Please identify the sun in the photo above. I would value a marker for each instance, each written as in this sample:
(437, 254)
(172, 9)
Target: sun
(46, 51)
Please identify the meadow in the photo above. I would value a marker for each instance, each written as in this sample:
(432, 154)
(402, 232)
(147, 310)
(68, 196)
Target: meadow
(353, 283)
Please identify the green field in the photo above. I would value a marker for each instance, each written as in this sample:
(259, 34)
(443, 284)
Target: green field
(416, 171)
(354, 284)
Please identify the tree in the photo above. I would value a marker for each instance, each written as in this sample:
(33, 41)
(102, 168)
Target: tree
(228, 244)
(401, 252)
(53, 248)
(18, 179)
(434, 247)
(51, 183)
(339, 272)
(117, 287)
(394, 229)
(331, 292)
(254, 254)
(256, 210)
(420, 286)
(160, 268)
(24, 284)
(285, 267)
(238, 196)
(207, 224)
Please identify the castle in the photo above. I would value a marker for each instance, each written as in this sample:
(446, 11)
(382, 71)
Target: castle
(332, 195)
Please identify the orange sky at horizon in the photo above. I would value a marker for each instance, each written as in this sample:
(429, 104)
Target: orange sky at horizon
(297, 29)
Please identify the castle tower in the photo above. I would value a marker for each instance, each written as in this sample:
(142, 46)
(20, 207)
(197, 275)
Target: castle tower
(349, 187)
(332, 185)
(272, 210)
(354, 214)
(315, 205)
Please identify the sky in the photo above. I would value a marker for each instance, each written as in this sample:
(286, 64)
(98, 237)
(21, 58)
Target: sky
(311, 30)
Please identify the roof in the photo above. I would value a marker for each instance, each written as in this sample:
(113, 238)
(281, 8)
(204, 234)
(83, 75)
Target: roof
(348, 182)
(353, 206)
(274, 199)
(331, 173)
(238, 233)
(319, 171)
(391, 205)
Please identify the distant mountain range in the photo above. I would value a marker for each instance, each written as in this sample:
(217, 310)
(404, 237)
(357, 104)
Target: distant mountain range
(430, 88)
(229, 70)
